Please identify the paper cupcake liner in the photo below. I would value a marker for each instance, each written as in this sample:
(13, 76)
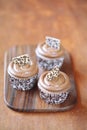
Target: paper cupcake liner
(49, 64)
(54, 98)
(23, 84)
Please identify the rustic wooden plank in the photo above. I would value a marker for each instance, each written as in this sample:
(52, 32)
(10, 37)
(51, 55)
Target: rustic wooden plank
(29, 100)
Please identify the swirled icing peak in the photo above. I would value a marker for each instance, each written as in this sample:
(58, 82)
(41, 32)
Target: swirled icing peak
(53, 42)
(22, 67)
(61, 83)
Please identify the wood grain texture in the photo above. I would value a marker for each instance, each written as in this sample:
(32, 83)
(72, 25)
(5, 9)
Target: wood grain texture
(29, 101)
(28, 22)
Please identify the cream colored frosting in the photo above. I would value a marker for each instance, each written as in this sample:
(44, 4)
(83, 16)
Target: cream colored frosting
(58, 84)
(44, 50)
(25, 71)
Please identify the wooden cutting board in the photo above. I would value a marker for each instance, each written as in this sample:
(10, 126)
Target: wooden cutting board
(29, 101)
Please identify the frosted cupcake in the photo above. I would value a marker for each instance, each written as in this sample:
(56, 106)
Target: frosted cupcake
(22, 72)
(50, 53)
(54, 86)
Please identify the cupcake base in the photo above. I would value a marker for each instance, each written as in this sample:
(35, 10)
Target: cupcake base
(54, 98)
(23, 84)
(48, 64)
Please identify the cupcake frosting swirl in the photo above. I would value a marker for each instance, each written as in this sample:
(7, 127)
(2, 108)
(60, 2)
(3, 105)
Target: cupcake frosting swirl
(22, 71)
(60, 83)
(44, 50)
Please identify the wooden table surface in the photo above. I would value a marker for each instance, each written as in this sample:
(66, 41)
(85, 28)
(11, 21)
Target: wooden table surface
(29, 21)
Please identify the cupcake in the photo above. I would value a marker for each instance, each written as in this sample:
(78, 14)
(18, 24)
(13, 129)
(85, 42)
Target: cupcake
(50, 53)
(54, 86)
(22, 72)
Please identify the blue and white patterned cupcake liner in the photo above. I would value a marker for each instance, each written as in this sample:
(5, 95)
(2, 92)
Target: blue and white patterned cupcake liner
(23, 84)
(49, 64)
(54, 98)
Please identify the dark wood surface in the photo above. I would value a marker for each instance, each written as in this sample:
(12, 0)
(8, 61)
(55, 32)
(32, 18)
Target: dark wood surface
(29, 101)
(29, 21)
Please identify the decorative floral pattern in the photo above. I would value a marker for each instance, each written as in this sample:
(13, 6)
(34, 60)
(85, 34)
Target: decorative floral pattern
(23, 84)
(53, 42)
(53, 73)
(22, 60)
(49, 64)
(54, 99)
